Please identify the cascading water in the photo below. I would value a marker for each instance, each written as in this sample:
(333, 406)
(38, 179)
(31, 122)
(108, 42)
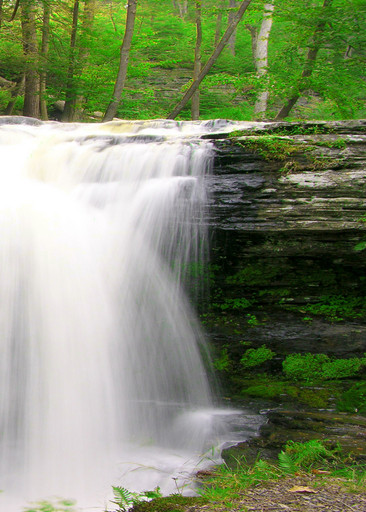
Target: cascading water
(101, 374)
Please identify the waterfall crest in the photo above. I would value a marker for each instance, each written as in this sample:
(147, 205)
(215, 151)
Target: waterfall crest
(100, 356)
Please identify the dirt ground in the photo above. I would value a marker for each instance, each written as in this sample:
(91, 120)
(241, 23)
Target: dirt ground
(300, 494)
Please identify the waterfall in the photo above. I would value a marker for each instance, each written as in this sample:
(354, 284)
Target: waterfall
(101, 375)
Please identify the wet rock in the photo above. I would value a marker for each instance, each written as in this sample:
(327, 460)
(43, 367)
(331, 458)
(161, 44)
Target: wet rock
(287, 215)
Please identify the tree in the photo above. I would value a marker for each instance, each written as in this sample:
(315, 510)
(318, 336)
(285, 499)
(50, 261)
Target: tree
(314, 48)
(123, 64)
(206, 68)
(195, 108)
(232, 7)
(79, 53)
(261, 59)
(69, 110)
(30, 46)
(43, 56)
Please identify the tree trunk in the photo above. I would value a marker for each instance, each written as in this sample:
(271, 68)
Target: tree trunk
(29, 36)
(70, 99)
(81, 56)
(195, 108)
(308, 67)
(254, 37)
(211, 61)
(125, 52)
(231, 44)
(1, 12)
(261, 59)
(44, 56)
(17, 91)
(219, 23)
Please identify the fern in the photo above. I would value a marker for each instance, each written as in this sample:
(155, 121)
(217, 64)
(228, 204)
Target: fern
(123, 498)
(126, 499)
(286, 463)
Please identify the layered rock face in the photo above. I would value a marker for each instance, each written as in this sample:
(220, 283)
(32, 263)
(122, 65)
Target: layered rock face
(287, 215)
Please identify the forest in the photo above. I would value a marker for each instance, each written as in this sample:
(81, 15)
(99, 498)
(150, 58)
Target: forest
(77, 60)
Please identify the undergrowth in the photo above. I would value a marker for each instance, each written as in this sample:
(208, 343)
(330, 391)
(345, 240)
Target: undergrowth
(311, 457)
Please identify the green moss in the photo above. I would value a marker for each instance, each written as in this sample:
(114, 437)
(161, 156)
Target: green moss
(173, 503)
(271, 147)
(320, 367)
(280, 390)
(332, 144)
(354, 399)
(333, 307)
(253, 357)
(259, 274)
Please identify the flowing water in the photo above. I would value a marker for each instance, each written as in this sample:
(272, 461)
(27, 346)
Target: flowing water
(101, 375)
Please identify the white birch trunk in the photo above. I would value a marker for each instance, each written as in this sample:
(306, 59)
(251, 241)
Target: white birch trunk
(261, 58)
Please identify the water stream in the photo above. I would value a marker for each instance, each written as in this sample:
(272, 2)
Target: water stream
(102, 380)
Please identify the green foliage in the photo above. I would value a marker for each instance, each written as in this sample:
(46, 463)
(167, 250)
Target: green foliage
(336, 307)
(58, 505)
(271, 147)
(256, 357)
(254, 275)
(317, 367)
(361, 246)
(236, 304)
(125, 499)
(222, 362)
(305, 455)
(354, 399)
(172, 503)
(335, 90)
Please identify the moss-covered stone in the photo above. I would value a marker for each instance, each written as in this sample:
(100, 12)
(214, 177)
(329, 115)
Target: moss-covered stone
(172, 503)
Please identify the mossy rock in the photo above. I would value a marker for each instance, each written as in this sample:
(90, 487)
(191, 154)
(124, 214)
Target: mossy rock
(173, 503)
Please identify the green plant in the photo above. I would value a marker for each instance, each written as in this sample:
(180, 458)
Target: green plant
(58, 505)
(271, 147)
(222, 363)
(237, 304)
(307, 367)
(256, 356)
(305, 455)
(335, 307)
(125, 499)
(354, 399)
(317, 367)
(252, 320)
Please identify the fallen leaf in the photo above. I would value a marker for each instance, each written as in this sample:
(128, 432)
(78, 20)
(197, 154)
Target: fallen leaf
(300, 488)
(320, 472)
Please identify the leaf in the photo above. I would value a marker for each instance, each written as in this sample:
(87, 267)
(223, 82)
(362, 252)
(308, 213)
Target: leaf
(320, 472)
(301, 489)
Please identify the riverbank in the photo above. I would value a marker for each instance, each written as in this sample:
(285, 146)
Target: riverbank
(323, 467)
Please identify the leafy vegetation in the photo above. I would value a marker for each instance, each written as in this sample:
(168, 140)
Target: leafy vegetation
(317, 367)
(256, 357)
(159, 72)
(297, 458)
(125, 499)
(57, 505)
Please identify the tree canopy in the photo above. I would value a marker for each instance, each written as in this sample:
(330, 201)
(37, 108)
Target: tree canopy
(60, 59)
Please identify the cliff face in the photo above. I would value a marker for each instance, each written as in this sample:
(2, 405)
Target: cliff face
(288, 220)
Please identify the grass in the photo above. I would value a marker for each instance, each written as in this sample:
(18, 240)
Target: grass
(309, 458)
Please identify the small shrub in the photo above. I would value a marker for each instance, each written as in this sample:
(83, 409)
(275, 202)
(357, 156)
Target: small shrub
(305, 455)
(315, 367)
(343, 368)
(256, 356)
(306, 367)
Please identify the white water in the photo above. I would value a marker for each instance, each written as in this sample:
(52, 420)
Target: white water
(101, 377)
